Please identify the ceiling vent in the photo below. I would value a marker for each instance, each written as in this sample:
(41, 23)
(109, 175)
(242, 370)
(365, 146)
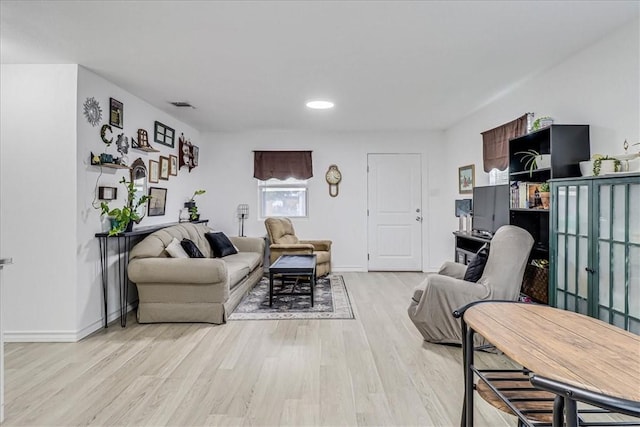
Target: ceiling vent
(181, 104)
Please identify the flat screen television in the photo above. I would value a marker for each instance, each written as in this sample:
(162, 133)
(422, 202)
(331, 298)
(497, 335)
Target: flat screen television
(490, 208)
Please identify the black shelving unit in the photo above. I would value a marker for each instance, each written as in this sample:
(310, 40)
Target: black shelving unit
(568, 145)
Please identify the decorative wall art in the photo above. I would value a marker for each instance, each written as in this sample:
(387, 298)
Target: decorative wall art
(158, 201)
(116, 113)
(163, 134)
(154, 171)
(186, 153)
(92, 111)
(122, 144)
(103, 134)
(164, 167)
(173, 165)
(195, 151)
(107, 193)
(466, 179)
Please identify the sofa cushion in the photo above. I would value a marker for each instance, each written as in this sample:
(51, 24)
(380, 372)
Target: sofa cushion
(191, 249)
(250, 259)
(237, 271)
(176, 250)
(477, 264)
(220, 244)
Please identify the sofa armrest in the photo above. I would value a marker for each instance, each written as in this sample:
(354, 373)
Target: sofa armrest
(449, 294)
(453, 269)
(292, 248)
(318, 245)
(177, 270)
(248, 244)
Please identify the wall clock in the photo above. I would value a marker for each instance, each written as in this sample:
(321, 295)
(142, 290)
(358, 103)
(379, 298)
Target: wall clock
(92, 111)
(333, 177)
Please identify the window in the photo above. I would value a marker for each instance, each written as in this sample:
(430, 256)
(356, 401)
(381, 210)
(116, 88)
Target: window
(286, 198)
(497, 177)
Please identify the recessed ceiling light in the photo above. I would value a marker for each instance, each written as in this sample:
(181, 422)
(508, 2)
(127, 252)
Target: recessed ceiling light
(320, 105)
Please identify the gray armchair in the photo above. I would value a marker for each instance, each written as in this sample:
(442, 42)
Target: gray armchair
(435, 299)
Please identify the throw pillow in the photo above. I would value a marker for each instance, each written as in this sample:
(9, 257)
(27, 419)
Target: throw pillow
(191, 249)
(221, 246)
(174, 249)
(477, 264)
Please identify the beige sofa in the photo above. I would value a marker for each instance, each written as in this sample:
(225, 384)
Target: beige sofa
(192, 289)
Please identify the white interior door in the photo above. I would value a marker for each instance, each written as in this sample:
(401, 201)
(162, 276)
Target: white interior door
(394, 192)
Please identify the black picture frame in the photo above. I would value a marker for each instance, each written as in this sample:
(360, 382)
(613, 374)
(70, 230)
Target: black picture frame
(158, 202)
(107, 193)
(163, 134)
(116, 113)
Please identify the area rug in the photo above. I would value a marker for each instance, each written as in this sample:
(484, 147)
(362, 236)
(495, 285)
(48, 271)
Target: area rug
(330, 301)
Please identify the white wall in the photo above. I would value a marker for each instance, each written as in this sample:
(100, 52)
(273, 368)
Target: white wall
(38, 155)
(54, 292)
(599, 86)
(342, 219)
(137, 115)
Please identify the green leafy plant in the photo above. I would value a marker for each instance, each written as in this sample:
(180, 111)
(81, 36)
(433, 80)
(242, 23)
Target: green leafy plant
(537, 123)
(121, 217)
(530, 160)
(597, 163)
(193, 209)
(544, 187)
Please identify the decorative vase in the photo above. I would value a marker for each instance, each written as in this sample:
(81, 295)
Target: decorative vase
(543, 161)
(184, 215)
(544, 198)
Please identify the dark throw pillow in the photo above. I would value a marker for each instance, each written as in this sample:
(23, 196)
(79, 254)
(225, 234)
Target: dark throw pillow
(221, 246)
(191, 249)
(477, 264)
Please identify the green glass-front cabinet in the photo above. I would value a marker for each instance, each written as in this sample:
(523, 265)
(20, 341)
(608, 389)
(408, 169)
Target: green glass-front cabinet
(595, 248)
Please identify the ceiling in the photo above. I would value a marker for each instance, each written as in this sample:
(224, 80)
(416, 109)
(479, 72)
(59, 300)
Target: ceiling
(252, 65)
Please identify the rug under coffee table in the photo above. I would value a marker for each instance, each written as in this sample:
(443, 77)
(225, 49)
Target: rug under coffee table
(293, 266)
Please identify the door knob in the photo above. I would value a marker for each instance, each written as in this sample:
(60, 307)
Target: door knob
(418, 218)
(418, 210)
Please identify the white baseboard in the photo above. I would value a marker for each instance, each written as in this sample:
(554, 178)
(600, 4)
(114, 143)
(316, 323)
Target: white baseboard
(62, 336)
(348, 269)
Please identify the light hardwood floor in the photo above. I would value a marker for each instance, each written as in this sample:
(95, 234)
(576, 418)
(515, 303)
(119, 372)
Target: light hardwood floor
(371, 371)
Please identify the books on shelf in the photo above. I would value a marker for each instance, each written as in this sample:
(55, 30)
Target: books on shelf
(525, 195)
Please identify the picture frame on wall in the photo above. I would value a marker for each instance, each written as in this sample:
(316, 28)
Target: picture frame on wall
(173, 165)
(164, 167)
(163, 134)
(158, 201)
(116, 113)
(195, 151)
(466, 179)
(154, 171)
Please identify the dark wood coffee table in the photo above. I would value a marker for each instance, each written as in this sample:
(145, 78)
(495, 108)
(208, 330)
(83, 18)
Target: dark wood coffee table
(293, 266)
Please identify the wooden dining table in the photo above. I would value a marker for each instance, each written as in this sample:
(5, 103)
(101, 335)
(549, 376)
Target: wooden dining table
(578, 358)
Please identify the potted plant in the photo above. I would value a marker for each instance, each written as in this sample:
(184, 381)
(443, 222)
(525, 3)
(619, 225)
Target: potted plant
(122, 218)
(543, 190)
(604, 164)
(533, 160)
(542, 122)
(191, 205)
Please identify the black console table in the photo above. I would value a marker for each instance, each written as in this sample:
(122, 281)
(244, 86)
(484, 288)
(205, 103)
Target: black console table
(124, 245)
(467, 244)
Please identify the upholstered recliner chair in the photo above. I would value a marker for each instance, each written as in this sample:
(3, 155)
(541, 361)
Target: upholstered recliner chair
(283, 241)
(435, 299)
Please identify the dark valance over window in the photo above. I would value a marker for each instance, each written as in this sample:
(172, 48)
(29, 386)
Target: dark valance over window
(282, 165)
(495, 143)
